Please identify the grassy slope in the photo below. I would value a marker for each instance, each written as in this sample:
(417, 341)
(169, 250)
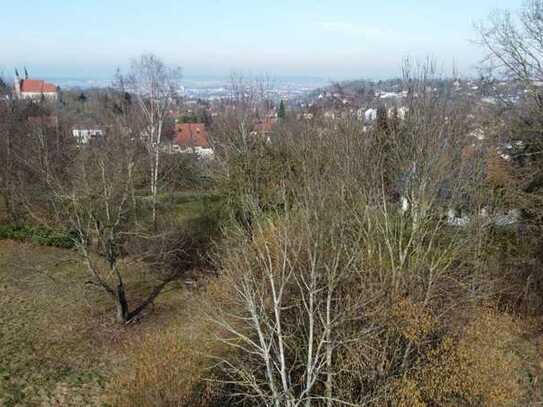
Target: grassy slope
(47, 327)
(59, 345)
(58, 342)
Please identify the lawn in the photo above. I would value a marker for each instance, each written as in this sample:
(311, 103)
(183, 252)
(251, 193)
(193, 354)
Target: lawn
(49, 347)
(59, 343)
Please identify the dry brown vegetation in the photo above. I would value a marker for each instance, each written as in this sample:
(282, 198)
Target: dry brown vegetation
(170, 367)
(327, 272)
(324, 292)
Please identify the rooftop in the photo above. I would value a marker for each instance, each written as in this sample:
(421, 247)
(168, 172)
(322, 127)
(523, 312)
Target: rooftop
(191, 135)
(37, 86)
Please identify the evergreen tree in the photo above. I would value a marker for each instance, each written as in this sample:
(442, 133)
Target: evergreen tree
(282, 112)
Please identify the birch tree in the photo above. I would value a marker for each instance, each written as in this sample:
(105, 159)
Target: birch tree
(154, 87)
(284, 312)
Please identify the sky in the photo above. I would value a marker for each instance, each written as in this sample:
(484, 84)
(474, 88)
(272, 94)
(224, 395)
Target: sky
(333, 39)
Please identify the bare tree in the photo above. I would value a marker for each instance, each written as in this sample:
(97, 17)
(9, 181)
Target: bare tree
(313, 283)
(94, 202)
(284, 314)
(88, 192)
(30, 140)
(154, 87)
(7, 176)
(515, 42)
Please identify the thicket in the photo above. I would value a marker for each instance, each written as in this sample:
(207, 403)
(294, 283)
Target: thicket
(340, 280)
(338, 276)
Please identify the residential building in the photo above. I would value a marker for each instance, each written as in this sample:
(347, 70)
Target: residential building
(265, 126)
(370, 115)
(35, 89)
(192, 138)
(87, 135)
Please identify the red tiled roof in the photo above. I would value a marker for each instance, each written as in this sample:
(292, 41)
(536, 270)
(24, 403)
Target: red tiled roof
(264, 126)
(37, 86)
(191, 135)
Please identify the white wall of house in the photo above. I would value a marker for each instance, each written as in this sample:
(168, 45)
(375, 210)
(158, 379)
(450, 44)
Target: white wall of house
(402, 112)
(38, 95)
(84, 136)
(201, 152)
(370, 115)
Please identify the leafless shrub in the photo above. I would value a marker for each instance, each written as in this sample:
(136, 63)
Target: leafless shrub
(348, 281)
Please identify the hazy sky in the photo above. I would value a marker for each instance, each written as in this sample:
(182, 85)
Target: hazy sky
(334, 39)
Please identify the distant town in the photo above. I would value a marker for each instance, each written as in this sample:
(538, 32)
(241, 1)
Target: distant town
(198, 101)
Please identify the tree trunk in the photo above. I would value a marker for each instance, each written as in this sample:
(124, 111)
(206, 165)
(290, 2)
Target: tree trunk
(122, 304)
(156, 165)
(154, 188)
(150, 298)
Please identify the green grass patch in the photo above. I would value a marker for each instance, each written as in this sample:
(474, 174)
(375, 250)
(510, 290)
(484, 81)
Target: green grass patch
(38, 235)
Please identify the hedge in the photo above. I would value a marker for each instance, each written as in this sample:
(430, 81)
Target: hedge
(39, 235)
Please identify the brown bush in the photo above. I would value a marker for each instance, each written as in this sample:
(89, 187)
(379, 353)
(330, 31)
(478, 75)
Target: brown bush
(168, 368)
(499, 171)
(412, 320)
(478, 367)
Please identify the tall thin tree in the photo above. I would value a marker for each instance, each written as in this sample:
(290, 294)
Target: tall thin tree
(154, 87)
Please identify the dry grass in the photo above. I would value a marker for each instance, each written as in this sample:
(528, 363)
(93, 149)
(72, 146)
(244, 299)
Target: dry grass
(58, 341)
(168, 367)
(47, 346)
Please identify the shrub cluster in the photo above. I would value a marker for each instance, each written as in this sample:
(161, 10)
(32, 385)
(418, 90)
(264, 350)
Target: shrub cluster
(38, 235)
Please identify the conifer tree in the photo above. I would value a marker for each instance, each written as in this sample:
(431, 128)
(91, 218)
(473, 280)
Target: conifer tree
(282, 112)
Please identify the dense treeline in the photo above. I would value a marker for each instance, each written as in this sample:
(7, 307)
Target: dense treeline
(331, 294)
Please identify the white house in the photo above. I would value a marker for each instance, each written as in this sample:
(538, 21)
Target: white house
(402, 112)
(479, 134)
(370, 115)
(85, 136)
